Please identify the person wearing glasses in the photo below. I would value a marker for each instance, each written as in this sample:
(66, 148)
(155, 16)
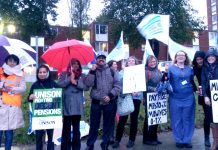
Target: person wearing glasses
(12, 86)
(182, 100)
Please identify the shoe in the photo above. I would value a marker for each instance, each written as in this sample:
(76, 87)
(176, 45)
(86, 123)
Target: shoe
(154, 143)
(111, 142)
(130, 144)
(179, 145)
(89, 148)
(188, 145)
(104, 146)
(159, 142)
(116, 144)
(207, 142)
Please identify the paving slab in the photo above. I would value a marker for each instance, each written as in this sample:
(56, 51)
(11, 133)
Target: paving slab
(166, 138)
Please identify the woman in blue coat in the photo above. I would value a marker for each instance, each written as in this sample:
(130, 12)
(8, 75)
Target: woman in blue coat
(182, 100)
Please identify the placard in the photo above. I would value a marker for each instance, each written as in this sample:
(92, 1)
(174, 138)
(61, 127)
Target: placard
(134, 79)
(214, 99)
(156, 108)
(47, 109)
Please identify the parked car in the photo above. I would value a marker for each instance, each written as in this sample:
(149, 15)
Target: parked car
(161, 65)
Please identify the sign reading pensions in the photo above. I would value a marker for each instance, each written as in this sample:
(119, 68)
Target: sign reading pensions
(156, 108)
(47, 109)
(214, 99)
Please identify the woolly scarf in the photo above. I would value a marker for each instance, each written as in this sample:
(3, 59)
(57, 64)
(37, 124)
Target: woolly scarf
(12, 70)
(211, 71)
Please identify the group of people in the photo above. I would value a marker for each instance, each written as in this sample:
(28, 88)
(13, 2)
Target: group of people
(106, 85)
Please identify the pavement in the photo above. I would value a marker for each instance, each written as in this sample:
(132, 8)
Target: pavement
(166, 138)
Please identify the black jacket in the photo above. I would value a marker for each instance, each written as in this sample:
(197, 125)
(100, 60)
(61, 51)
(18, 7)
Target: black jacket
(204, 76)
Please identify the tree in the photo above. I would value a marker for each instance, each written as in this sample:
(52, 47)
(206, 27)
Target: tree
(79, 17)
(127, 14)
(30, 17)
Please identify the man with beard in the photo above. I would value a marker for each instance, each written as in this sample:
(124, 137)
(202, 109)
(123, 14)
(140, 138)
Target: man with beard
(105, 85)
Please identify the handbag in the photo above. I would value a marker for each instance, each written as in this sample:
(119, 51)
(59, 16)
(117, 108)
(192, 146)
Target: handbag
(125, 105)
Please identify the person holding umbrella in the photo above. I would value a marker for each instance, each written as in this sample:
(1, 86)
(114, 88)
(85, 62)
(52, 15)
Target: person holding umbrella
(12, 85)
(72, 83)
(105, 85)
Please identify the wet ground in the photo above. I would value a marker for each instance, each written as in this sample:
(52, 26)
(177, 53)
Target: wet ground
(165, 137)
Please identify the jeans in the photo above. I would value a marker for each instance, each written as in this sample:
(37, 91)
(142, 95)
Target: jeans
(39, 139)
(66, 142)
(207, 119)
(95, 117)
(113, 121)
(8, 138)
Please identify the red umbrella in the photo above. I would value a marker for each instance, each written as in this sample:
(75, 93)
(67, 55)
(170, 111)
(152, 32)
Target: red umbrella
(60, 53)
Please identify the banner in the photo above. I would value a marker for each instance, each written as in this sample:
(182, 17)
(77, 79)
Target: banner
(134, 79)
(155, 26)
(214, 99)
(156, 108)
(119, 52)
(47, 109)
(174, 47)
(148, 51)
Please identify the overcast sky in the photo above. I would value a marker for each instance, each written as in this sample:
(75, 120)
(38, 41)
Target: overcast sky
(96, 6)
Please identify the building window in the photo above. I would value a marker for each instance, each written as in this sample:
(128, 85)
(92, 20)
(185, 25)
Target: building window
(212, 38)
(213, 9)
(214, 18)
(101, 46)
(214, 27)
(100, 29)
(213, 1)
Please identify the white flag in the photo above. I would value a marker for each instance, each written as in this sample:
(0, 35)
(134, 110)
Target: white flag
(148, 51)
(174, 47)
(155, 26)
(118, 53)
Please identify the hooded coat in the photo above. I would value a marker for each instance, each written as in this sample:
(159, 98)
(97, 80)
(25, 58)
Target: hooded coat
(205, 71)
(198, 71)
(11, 117)
(47, 83)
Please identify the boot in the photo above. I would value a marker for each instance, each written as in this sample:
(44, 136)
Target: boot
(207, 141)
(214, 128)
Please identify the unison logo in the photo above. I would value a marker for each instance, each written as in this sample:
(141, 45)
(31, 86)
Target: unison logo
(46, 122)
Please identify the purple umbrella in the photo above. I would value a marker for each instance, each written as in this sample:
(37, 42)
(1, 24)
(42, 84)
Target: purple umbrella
(25, 53)
(4, 41)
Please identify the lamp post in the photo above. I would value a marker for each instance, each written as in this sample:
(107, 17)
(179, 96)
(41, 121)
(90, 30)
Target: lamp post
(11, 28)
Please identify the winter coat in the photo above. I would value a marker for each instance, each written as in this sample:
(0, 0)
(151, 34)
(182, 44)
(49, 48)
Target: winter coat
(197, 73)
(205, 71)
(104, 82)
(11, 117)
(153, 76)
(73, 95)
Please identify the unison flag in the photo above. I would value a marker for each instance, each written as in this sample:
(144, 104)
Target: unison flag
(118, 53)
(148, 51)
(155, 26)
